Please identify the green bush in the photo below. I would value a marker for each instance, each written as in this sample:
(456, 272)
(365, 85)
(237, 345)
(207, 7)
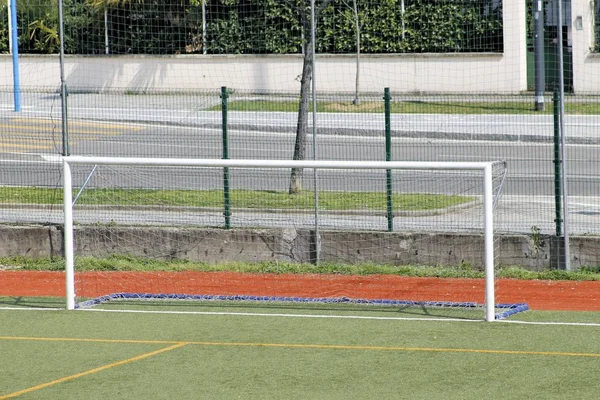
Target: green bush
(256, 27)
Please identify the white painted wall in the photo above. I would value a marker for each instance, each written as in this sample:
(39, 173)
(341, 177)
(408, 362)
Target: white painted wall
(410, 73)
(586, 65)
(445, 73)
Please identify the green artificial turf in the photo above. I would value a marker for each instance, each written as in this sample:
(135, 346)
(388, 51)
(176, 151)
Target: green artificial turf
(273, 357)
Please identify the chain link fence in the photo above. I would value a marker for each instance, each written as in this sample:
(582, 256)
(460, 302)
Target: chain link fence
(144, 79)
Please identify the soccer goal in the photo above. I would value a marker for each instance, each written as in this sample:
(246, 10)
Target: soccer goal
(212, 229)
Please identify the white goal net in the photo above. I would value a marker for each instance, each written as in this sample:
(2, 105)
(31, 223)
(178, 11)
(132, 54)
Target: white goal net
(349, 217)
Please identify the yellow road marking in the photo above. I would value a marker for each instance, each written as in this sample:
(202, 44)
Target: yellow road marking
(79, 130)
(315, 346)
(75, 127)
(26, 146)
(27, 138)
(57, 122)
(92, 371)
(37, 130)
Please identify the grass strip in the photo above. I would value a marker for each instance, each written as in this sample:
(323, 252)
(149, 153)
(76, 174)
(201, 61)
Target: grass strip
(128, 263)
(414, 107)
(253, 199)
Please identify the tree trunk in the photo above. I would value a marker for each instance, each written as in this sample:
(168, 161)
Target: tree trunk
(303, 110)
(356, 100)
(305, 91)
(302, 125)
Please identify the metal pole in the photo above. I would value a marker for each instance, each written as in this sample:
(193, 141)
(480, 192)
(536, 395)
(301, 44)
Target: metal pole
(67, 190)
(14, 35)
(557, 165)
(9, 18)
(204, 37)
(68, 236)
(314, 130)
(106, 44)
(488, 205)
(226, 194)
(561, 88)
(538, 48)
(306, 164)
(388, 157)
(402, 11)
(63, 83)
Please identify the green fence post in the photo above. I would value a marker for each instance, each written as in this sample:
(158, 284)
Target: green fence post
(558, 257)
(226, 194)
(557, 164)
(388, 157)
(66, 150)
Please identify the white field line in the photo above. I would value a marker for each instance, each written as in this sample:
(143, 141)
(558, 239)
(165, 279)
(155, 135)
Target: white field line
(11, 107)
(46, 159)
(552, 323)
(30, 309)
(51, 158)
(357, 317)
(246, 314)
(324, 316)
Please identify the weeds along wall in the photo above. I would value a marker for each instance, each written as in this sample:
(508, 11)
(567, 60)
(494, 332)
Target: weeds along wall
(246, 245)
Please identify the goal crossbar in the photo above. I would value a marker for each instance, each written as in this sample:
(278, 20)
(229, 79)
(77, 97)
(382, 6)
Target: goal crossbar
(308, 164)
(486, 169)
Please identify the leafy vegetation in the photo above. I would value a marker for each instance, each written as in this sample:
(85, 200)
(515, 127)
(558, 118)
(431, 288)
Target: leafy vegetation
(416, 107)
(128, 263)
(362, 201)
(255, 26)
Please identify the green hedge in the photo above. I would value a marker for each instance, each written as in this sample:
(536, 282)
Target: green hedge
(258, 27)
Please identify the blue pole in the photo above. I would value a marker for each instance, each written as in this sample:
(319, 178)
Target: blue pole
(15, 55)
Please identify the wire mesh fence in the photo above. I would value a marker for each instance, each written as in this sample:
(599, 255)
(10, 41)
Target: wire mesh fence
(147, 79)
(256, 26)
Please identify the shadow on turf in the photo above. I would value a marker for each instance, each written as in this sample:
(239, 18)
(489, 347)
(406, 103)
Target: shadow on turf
(409, 310)
(28, 302)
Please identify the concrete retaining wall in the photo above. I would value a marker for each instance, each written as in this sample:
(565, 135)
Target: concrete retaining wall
(460, 73)
(504, 72)
(291, 245)
(412, 73)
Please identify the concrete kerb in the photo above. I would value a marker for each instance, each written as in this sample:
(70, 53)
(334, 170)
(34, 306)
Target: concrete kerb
(288, 125)
(428, 134)
(407, 134)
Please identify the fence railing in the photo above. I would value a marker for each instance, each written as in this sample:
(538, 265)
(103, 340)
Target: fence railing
(300, 104)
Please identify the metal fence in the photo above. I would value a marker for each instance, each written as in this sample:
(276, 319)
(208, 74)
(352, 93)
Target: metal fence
(150, 121)
(255, 26)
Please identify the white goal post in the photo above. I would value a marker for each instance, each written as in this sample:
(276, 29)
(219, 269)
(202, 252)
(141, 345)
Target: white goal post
(486, 169)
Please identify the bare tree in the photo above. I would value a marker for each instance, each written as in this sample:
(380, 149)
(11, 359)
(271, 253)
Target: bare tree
(357, 29)
(305, 84)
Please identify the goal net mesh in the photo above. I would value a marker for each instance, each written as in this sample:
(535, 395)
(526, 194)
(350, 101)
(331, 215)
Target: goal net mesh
(363, 236)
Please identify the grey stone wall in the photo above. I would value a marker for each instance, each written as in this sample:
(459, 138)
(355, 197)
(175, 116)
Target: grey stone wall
(291, 245)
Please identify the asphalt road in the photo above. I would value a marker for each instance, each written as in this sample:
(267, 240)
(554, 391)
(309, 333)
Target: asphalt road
(31, 140)
(530, 164)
